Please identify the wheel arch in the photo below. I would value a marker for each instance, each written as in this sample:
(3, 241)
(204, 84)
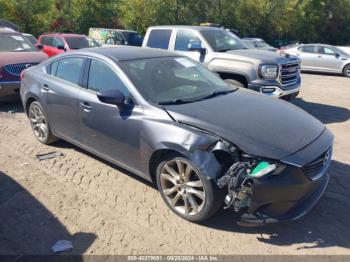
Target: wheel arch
(235, 76)
(158, 156)
(28, 101)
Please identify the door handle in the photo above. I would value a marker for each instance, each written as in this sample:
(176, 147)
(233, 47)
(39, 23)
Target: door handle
(319, 56)
(45, 88)
(86, 106)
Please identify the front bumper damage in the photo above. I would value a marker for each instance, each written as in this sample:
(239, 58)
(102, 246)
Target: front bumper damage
(285, 193)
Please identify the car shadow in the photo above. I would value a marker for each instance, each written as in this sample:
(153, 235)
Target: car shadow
(327, 114)
(326, 225)
(27, 227)
(64, 144)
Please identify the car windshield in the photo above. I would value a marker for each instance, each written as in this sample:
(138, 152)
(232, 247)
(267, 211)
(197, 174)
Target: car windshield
(31, 38)
(261, 43)
(249, 44)
(133, 38)
(173, 80)
(222, 41)
(15, 43)
(81, 42)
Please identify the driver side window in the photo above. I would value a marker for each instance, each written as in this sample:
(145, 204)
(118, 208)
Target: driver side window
(103, 77)
(184, 38)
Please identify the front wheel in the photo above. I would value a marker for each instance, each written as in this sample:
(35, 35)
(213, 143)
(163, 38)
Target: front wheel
(39, 123)
(346, 71)
(186, 191)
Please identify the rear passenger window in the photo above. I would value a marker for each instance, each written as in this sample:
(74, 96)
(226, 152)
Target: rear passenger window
(307, 49)
(159, 38)
(69, 69)
(102, 77)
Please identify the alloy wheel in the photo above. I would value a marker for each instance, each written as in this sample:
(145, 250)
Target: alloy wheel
(38, 122)
(182, 187)
(347, 71)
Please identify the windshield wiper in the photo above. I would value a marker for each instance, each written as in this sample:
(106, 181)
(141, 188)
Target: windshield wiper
(178, 101)
(217, 93)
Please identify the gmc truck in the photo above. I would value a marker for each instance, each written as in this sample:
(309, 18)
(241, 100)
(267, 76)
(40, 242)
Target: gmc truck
(271, 73)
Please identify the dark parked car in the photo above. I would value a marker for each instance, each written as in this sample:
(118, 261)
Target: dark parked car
(16, 54)
(170, 120)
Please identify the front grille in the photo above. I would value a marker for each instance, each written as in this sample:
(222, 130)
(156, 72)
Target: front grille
(317, 167)
(289, 73)
(16, 69)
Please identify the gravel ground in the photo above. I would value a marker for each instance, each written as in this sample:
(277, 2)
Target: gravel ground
(103, 209)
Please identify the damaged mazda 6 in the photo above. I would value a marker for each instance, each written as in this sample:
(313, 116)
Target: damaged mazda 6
(167, 118)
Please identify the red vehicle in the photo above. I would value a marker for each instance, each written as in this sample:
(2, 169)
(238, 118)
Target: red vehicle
(57, 43)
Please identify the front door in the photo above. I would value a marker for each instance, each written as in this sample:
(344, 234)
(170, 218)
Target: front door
(106, 129)
(328, 60)
(183, 39)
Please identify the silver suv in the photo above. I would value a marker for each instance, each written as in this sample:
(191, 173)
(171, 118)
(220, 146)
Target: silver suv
(223, 52)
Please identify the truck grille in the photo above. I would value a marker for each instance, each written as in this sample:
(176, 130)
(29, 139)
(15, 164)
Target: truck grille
(16, 69)
(289, 73)
(318, 167)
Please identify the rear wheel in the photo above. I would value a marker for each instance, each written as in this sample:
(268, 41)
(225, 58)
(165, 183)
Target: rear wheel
(346, 71)
(186, 191)
(234, 83)
(39, 123)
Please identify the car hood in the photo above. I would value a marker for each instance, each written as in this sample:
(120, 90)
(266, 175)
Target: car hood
(257, 124)
(21, 57)
(264, 56)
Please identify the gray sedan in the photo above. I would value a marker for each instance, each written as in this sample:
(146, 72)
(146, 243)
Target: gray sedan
(170, 120)
(322, 58)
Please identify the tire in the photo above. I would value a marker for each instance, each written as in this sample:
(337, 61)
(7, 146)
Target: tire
(39, 123)
(346, 71)
(234, 83)
(207, 202)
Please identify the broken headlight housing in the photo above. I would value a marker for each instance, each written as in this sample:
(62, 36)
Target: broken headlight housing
(240, 178)
(268, 71)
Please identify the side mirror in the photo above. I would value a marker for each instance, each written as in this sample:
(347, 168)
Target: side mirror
(39, 46)
(112, 96)
(337, 55)
(197, 47)
(61, 47)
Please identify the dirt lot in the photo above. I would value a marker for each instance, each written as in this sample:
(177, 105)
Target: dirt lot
(105, 210)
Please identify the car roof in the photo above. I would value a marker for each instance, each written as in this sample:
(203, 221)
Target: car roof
(7, 30)
(63, 35)
(114, 29)
(197, 28)
(123, 53)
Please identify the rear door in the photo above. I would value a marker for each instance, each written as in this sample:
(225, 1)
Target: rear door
(61, 93)
(112, 132)
(308, 56)
(328, 60)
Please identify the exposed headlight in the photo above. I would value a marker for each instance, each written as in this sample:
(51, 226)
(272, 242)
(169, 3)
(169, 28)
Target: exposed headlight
(268, 71)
